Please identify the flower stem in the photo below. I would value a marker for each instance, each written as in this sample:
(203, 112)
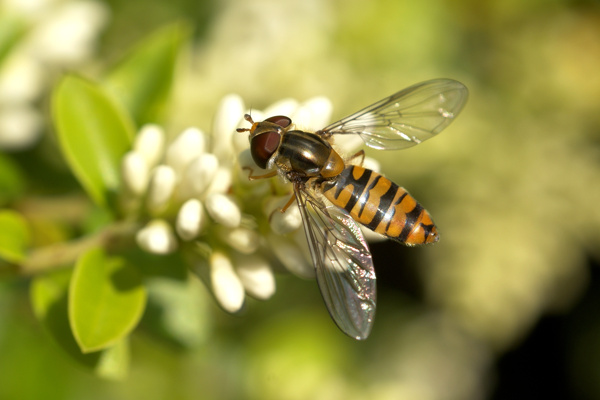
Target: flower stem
(114, 237)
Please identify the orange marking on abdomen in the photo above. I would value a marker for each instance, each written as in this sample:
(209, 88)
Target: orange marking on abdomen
(381, 205)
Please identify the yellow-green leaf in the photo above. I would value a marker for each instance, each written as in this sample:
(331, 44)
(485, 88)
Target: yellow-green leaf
(94, 134)
(106, 300)
(49, 297)
(143, 80)
(11, 30)
(14, 236)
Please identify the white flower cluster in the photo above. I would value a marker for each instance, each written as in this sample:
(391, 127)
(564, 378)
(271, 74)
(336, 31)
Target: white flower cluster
(195, 191)
(183, 188)
(48, 35)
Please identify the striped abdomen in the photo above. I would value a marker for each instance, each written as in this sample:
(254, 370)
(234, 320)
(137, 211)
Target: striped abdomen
(381, 205)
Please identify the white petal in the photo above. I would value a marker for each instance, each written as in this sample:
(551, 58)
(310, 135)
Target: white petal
(223, 210)
(162, 186)
(291, 256)
(150, 143)
(288, 221)
(256, 276)
(189, 219)
(187, 146)
(244, 240)
(229, 114)
(157, 237)
(134, 171)
(226, 285)
(198, 175)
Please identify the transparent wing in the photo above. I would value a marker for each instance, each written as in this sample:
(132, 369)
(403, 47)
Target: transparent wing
(343, 264)
(406, 118)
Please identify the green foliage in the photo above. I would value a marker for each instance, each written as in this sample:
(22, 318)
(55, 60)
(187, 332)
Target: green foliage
(143, 80)
(94, 134)
(11, 30)
(14, 236)
(106, 300)
(11, 180)
(49, 297)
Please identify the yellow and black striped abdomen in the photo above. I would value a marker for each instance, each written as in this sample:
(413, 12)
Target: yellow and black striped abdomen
(381, 205)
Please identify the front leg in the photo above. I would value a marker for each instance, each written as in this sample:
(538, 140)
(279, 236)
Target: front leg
(361, 155)
(252, 177)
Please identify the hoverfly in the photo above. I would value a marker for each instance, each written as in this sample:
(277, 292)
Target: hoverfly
(333, 194)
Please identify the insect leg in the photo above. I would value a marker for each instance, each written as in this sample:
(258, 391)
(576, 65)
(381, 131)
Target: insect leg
(360, 154)
(288, 204)
(255, 177)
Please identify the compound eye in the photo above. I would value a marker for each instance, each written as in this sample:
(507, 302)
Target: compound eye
(263, 146)
(280, 120)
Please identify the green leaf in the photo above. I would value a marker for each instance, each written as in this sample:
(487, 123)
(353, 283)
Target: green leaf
(49, 297)
(94, 134)
(143, 80)
(11, 30)
(178, 311)
(11, 180)
(14, 236)
(106, 300)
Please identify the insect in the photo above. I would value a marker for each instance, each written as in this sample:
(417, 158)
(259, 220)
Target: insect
(333, 194)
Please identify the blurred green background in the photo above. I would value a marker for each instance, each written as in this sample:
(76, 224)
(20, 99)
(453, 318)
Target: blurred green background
(504, 306)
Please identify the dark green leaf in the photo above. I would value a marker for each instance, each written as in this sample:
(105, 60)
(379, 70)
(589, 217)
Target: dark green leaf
(11, 180)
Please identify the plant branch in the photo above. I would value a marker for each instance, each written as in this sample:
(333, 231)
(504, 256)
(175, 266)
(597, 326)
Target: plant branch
(62, 255)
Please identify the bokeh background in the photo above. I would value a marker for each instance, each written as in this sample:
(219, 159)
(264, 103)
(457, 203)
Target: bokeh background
(504, 306)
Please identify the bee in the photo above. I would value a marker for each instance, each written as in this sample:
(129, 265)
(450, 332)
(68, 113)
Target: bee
(334, 193)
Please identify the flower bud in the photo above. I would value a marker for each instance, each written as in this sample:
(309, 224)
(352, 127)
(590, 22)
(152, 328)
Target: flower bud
(291, 256)
(162, 185)
(244, 240)
(314, 113)
(221, 181)
(256, 276)
(189, 219)
(20, 127)
(134, 171)
(226, 120)
(150, 143)
(22, 79)
(283, 222)
(282, 107)
(226, 285)
(199, 175)
(223, 210)
(187, 146)
(68, 37)
(157, 237)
